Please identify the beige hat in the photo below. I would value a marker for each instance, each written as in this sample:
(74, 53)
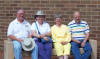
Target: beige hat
(28, 44)
(39, 13)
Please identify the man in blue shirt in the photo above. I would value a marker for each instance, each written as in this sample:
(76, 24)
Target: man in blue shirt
(80, 34)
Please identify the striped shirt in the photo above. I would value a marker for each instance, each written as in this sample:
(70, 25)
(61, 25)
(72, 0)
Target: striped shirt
(78, 31)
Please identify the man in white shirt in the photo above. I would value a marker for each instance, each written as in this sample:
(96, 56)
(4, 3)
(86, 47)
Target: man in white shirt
(18, 30)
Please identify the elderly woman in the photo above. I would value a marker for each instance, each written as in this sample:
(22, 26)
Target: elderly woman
(40, 30)
(61, 37)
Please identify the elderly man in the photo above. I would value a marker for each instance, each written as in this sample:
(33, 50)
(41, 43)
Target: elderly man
(80, 34)
(19, 29)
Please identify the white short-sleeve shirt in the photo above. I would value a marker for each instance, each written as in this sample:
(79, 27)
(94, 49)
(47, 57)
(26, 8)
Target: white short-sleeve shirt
(42, 29)
(19, 30)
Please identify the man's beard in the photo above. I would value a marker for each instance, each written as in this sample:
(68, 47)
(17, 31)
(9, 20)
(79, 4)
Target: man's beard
(21, 18)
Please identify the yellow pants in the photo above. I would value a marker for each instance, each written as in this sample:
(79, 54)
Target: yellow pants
(62, 50)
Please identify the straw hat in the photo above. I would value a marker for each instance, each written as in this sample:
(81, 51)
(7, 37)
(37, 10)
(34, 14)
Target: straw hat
(39, 13)
(28, 44)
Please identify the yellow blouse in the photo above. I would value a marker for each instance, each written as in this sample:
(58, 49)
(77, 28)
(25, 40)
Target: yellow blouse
(60, 34)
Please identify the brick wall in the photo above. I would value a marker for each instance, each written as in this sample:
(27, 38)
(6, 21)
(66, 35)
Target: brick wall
(90, 10)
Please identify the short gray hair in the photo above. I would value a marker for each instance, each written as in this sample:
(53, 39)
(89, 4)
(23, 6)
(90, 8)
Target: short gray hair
(58, 16)
(20, 10)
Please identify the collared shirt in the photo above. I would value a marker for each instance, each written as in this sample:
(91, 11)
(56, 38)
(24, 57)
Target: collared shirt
(44, 28)
(78, 31)
(60, 34)
(19, 30)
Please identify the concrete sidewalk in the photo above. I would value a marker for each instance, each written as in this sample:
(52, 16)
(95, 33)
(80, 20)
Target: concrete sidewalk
(28, 57)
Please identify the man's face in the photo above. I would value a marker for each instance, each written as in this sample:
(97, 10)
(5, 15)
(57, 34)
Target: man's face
(58, 20)
(77, 16)
(20, 15)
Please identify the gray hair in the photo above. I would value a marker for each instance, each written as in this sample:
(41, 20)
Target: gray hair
(58, 16)
(20, 10)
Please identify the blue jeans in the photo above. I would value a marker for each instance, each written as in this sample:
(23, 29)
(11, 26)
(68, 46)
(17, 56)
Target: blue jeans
(76, 51)
(18, 51)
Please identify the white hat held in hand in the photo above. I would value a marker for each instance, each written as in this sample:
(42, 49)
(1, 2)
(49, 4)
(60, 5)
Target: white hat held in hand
(28, 44)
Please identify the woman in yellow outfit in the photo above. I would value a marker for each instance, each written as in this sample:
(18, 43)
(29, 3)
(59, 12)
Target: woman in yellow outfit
(61, 37)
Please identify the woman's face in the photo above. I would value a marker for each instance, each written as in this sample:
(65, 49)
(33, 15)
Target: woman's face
(58, 21)
(40, 19)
